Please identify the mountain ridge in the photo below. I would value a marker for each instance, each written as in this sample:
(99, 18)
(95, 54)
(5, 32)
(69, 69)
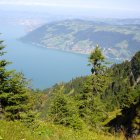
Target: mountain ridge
(118, 41)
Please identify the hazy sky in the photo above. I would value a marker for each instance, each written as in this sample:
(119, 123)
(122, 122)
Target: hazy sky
(120, 6)
(109, 4)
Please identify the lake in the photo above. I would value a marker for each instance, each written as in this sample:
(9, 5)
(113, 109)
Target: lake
(45, 67)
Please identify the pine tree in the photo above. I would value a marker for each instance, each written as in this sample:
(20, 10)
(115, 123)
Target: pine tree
(95, 59)
(63, 110)
(100, 78)
(13, 91)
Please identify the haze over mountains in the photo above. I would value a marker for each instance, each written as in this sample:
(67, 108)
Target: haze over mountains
(98, 9)
(119, 38)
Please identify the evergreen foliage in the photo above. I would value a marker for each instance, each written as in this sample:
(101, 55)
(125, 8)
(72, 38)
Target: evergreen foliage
(106, 100)
(13, 91)
(95, 59)
(97, 96)
(135, 62)
(63, 110)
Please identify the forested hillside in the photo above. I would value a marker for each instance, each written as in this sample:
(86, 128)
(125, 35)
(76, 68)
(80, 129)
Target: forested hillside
(108, 100)
(102, 106)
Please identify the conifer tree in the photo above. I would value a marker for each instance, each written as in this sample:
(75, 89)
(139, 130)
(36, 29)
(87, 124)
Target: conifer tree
(100, 79)
(95, 59)
(13, 91)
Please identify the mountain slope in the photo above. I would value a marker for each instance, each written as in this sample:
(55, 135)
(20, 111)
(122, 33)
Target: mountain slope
(119, 41)
(115, 102)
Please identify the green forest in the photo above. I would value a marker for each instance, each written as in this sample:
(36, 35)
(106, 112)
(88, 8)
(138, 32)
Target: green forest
(102, 106)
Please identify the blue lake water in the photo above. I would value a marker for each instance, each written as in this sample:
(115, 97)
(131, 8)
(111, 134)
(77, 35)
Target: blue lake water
(45, 67)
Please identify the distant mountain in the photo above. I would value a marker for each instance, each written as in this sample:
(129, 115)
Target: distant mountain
(119, 39)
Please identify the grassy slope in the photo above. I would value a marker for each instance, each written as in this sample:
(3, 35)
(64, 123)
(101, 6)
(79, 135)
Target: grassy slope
(46, 131)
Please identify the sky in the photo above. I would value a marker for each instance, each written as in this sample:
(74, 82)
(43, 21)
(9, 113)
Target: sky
(125, 7)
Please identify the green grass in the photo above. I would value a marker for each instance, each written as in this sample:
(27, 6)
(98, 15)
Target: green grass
(47, 131)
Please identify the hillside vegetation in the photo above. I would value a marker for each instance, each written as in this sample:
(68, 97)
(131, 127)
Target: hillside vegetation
(102, 106)
(119, 40)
